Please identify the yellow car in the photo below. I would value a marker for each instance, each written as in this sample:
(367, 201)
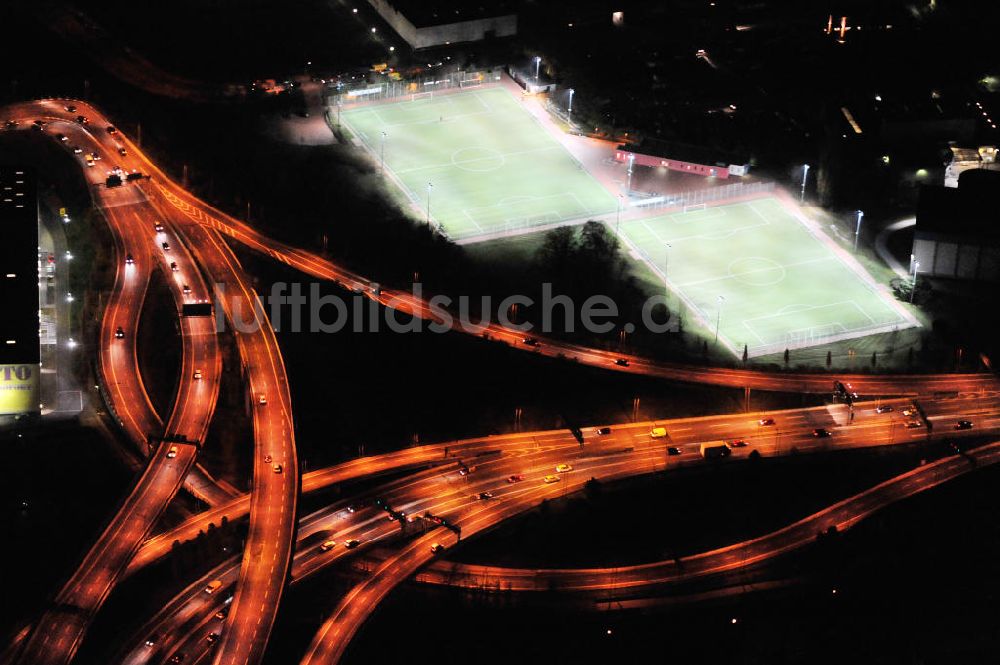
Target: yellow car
(328, 545)
(563, 468)
(658, 432)
(551, 478)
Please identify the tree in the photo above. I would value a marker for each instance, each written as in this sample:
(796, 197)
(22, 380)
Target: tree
(874, 358)
(557, 249)
(909, 357)
(598, 244)
(786, 356)
(829, 359)
(745, 354)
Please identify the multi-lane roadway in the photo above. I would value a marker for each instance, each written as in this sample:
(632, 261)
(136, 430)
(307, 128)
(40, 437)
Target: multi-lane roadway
(185, 623)
(135, 228)
(192, 226)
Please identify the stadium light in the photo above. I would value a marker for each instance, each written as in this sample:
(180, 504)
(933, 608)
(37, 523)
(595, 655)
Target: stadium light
(569, 112)
(857, 229)
(913, 287)
(631, 163)
(805, 174)
(718, 319)
(538, 64)
(382, 156)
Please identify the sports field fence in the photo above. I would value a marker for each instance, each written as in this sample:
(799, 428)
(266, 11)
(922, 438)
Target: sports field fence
(698, 199)
(416, 88)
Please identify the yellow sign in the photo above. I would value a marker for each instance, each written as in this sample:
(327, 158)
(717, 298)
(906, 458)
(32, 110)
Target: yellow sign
(380, 67)
(18, 389)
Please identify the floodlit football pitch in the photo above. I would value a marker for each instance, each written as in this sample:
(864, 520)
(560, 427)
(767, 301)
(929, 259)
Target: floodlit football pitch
(763, 277)
(490, 165)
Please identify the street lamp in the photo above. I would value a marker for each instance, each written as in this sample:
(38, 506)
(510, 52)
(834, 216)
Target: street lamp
(429, 187)
(569, 112)
(718, 319)
(383, 152)
(631, 163)
(913, 287)
(538, 64)
(857, 229)
(805, 174)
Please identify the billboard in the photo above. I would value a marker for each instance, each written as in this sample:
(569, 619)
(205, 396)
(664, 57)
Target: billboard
(18, 389)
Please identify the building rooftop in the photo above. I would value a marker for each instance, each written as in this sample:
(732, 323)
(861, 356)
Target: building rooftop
(424, 13)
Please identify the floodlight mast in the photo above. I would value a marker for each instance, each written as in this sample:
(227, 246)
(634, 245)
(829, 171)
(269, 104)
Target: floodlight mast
(569, 112)
(857, 229)
(538, 64)
(805, 174)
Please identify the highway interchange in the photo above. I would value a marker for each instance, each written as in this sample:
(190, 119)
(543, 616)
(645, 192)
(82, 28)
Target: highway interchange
(282, 547)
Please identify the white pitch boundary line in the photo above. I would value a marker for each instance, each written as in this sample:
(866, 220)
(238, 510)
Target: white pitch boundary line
(702, 236)
(679, 217)
(585, 208)
(776, 266)
(526, 199)
(471, 219)
(480, 100)
(882, 293)
(786, 311)
(453, 164)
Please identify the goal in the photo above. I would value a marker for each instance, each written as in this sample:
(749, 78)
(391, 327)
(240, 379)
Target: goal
(471, 83)
(422, 95)
(694, 207)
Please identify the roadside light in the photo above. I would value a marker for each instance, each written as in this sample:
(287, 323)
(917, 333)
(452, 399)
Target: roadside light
(373, 29)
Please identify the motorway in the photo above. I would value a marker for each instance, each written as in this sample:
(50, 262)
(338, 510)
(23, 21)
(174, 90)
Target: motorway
(623, 582)
(185, 622)
(267, 557)
(57, 635)
(275, 486)
(681, 431)
(274, 497)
